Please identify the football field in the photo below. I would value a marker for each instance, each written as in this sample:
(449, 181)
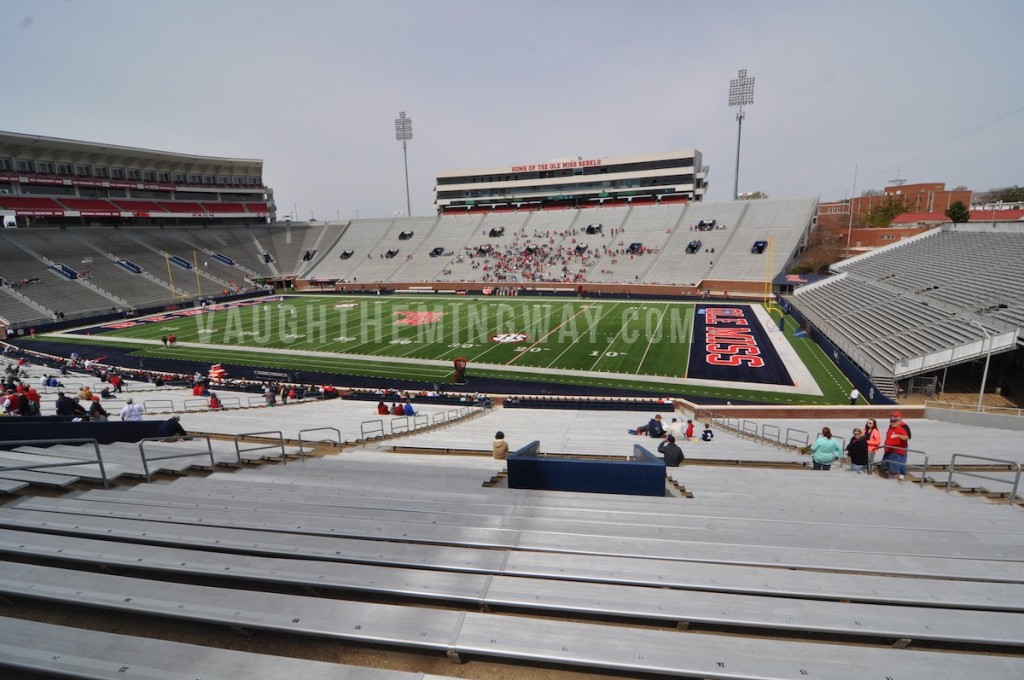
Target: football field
(646, 345)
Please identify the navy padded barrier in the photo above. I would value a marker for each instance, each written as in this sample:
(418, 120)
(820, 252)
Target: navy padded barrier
(104, 433)
(589, 404)
(644, 476)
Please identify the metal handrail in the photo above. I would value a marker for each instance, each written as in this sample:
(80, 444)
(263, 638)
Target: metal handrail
(145, 460)
(1009, 463)
(200, 403)
(970, 408)
(149, 405)
(280, 444)
(37, 442)
(906, 452)
(375, 426)
(302, 449)
(403, 425)
(789, 437)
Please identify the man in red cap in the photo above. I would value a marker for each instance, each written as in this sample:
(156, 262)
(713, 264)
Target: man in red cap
(897, 440)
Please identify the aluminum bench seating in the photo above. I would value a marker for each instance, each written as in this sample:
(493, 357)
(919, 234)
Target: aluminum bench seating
(11, 485)
(707, 506)
(706, 546)
(460, 633)
(487, 591)
(29, 455)
(64, 651)
(939, 439)
(947, 582)
(41, 477)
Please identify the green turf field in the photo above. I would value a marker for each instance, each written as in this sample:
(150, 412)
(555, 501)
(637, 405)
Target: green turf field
(626, 344)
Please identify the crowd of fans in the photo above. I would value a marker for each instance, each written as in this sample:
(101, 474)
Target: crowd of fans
(546, 256)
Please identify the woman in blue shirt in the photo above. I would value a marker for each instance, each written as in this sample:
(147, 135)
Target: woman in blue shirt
(825, 450)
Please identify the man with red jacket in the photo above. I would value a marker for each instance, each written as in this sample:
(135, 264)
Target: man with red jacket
(897, 440)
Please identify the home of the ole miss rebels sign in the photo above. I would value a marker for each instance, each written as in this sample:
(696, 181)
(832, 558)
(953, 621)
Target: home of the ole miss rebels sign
(729, 343)
(563, 165)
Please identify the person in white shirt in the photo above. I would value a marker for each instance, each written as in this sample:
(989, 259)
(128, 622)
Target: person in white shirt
(854, 396)
(131, 411)
(675, 428)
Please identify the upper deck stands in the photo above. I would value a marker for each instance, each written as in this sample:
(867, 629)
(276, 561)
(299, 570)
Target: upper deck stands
(30, 204)
(182, 207)
(91, 205)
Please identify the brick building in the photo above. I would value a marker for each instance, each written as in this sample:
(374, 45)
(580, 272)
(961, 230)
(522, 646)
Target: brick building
(917, 198)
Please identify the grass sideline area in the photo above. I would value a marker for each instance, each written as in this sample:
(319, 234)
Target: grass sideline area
(617, 344)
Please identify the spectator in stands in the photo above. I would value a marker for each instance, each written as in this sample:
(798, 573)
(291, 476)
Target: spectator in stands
(707, 435)
(85, 394)
(857, 450)
(78, 411)
(689, 429)
(96, 410)
(215, 404)
(131, 412)
(172, 430)
(675, 429)
(12, 403)
(897, 440)
(117, 382)
(499, 448)
(397, 410)
(873, 437)
(825, 450)
(407, 409)
(32, 406)
(106, 393)
(653, 428)
(64, 406)
(382, 409)
(670, 451)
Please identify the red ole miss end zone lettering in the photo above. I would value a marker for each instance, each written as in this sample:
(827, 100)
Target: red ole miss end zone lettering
(729, 340)
(731, 344)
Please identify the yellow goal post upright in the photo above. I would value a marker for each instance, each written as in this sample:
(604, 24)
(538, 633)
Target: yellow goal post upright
(195, 261)
(175, 292)
(769, 276)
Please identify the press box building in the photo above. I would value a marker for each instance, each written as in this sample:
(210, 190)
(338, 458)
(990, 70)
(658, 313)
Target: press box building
(575, 183)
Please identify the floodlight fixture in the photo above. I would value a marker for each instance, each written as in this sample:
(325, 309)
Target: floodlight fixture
(741, 93)
(403, 133)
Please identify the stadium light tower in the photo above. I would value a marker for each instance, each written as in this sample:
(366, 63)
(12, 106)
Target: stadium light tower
(403, 133)
(741, 92)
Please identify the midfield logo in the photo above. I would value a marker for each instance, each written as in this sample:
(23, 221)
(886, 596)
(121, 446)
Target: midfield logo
(417, 318)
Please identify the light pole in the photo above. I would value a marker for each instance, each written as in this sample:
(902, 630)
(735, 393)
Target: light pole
(988, 357)
(403, 133)
(741, 92)
(849, 226)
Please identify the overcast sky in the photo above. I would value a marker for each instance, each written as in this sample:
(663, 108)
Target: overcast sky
(312, 87)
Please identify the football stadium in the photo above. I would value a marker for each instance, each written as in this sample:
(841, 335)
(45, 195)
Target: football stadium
(441, 446)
